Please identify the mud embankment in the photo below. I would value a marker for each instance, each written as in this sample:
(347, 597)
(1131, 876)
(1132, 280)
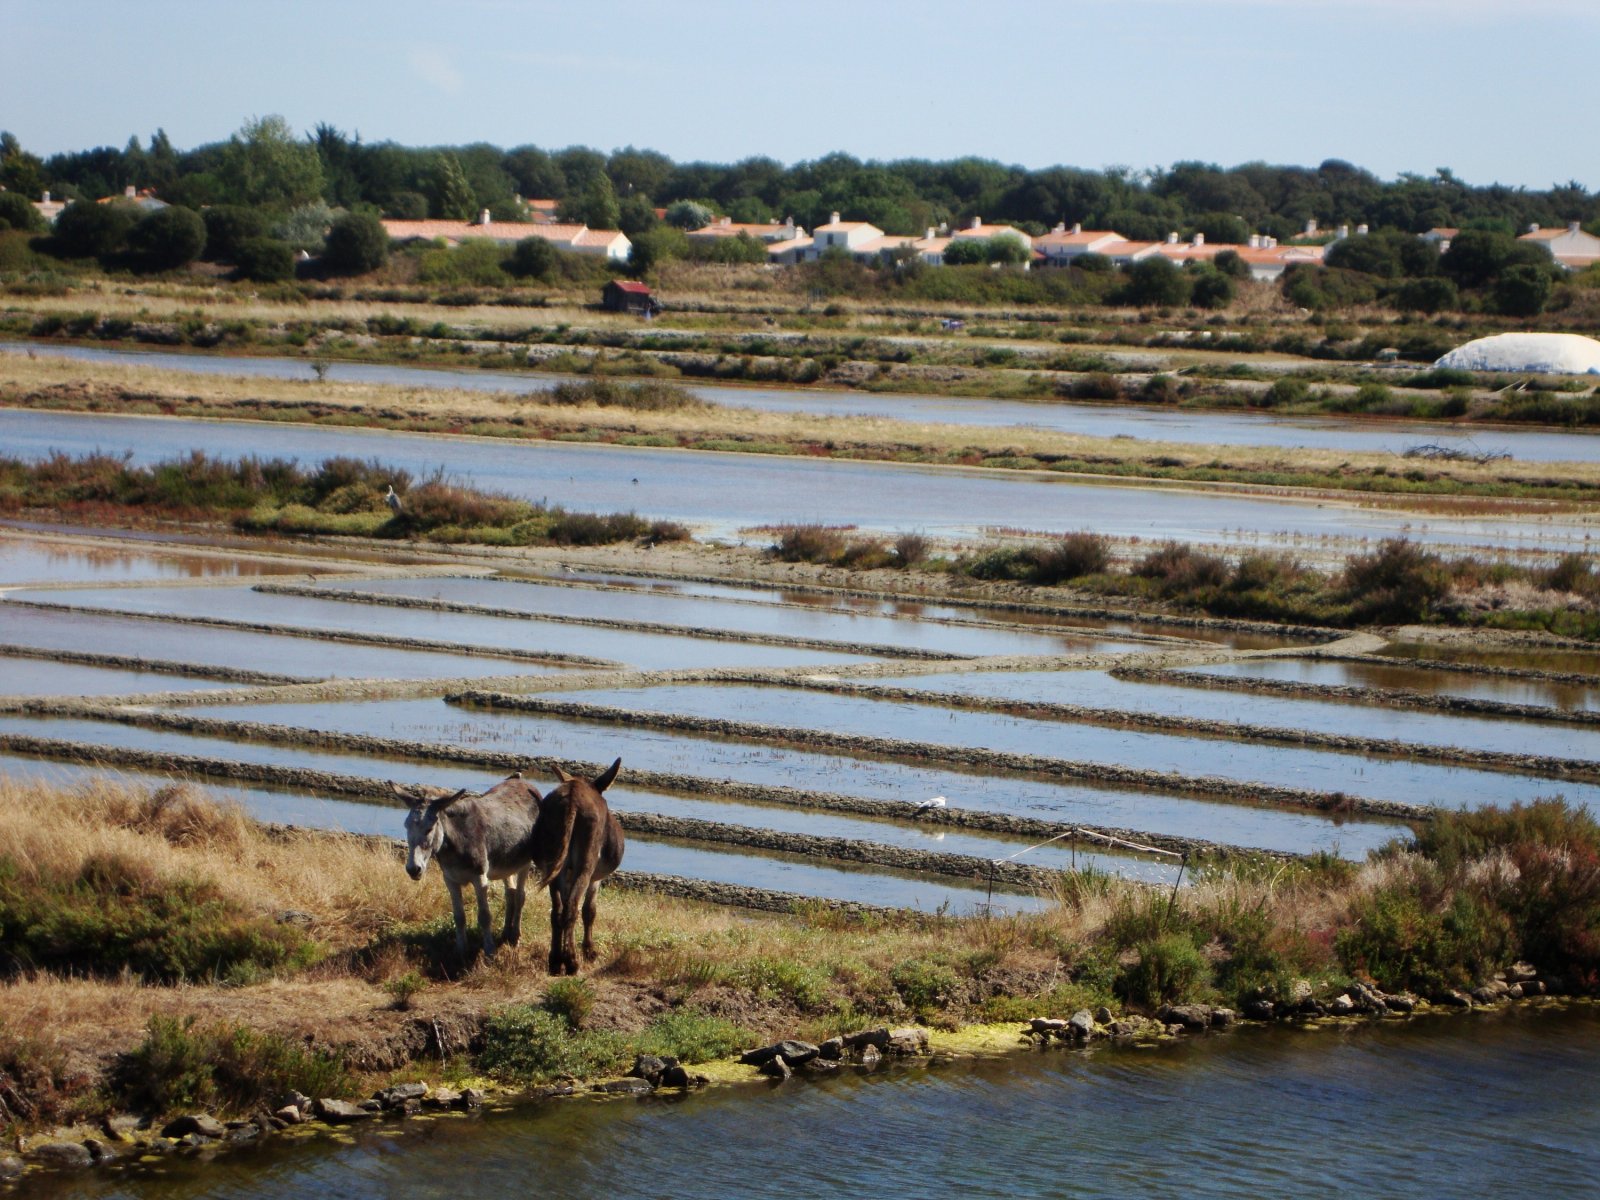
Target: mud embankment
(157, 666)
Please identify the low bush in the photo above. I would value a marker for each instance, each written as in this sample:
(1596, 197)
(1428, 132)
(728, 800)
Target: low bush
(232, 1068)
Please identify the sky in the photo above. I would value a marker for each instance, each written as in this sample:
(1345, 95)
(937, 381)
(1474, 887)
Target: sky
(1496, 90)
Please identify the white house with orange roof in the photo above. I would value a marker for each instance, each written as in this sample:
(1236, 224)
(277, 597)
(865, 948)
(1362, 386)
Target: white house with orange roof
(578, 239)
(848, 236)
(1571, 247)
(976, 229)
(768, 232)
(1061, 245)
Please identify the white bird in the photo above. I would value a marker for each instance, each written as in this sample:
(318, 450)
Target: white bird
(392, 500)
(936, 802)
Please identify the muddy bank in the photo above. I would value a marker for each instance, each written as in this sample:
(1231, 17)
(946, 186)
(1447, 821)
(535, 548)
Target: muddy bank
(157, 666)
(1234, 791)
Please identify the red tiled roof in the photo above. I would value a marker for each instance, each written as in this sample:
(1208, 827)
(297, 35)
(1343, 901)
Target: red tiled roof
(631, 285)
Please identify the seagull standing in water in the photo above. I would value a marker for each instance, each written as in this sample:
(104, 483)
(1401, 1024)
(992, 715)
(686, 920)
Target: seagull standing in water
(393, 501)
(929, 805)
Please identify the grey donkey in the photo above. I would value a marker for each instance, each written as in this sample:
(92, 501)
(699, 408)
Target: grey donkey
(476, 839)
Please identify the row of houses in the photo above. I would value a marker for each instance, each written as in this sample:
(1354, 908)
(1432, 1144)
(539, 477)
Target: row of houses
(1061, 247)
(788, 243)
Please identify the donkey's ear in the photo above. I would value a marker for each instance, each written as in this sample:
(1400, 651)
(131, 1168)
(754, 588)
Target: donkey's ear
(561, 774)
(449, 800)
(607, 777)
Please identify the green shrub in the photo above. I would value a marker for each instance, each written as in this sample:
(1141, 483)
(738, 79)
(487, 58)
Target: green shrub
(264, 260)
(17, 212)
(230, 1067)
(356, 243)
(1397, 583)
(1072, 556)
(927, 986)
(692, 1036)
(1167, 969)
(1285, 391)
(526, 1044)
(167, 238)
(570, 999)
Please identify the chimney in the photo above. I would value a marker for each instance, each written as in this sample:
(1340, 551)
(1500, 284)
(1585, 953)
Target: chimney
(1199, 239)
(931, 233)
(1534, 228)
(1061, 227)
(1077, 227)
(1311, 227)
(46, 198)
(1361, 231)
(1172, 239)
(788, 222)
(833, 218)
(1269, 243)
(1342, 232)
(1572, 226)
(977, 223)
(130, 192)
(483, 217)
(1255, 241)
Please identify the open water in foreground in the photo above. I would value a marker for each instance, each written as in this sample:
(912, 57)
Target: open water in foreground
(1505, 1103)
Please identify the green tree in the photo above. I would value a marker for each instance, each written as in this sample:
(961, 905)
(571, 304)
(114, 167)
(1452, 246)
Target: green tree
(357, 243)
(449, 193)
(688, 214)
(1522, 290)
(1430, 294)
(264, 164)
(1155, 282)
(86, 229)
(533, 258)
(228, 225)
(265, 260)
(18, 212)
(1476, 256)
(20, 171)
(1007, 249)
(596, 207)
(306, 227)
(1231, 265)
(637, 215)
(168, 238)
(964, 252)
(1210, 288)
(656, 246)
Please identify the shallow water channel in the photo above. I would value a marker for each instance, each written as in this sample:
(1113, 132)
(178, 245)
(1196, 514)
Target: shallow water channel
(282, 654)
(1099, 689)
(541, 737)
(651, 651)
(1288, 766)
(42, 560)
(1145, 422)
(734, 613)
(721, 494)
(1507, 689)
(41, 677)
(1425, 1108)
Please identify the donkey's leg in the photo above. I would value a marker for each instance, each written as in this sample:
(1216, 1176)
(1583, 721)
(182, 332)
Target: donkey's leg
(516, 896)
(481, 886)
(588, 921)
(454, 888)
(556, 909)
(569, 922)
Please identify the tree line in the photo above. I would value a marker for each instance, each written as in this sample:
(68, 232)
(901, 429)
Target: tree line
(267, 164)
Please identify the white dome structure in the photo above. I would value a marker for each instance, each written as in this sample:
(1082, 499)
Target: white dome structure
(1546, 353)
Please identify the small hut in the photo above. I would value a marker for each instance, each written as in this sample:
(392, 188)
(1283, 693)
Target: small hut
(629, 296)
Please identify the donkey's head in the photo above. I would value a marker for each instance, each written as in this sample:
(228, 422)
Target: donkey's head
(425, 831)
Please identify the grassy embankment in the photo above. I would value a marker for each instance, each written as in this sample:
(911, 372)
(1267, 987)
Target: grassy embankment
(341, 496)
(1398, 583)
(161, 951)
(662, 414)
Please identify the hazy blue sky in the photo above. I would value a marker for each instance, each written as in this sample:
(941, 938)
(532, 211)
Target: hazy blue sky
(1494, 89)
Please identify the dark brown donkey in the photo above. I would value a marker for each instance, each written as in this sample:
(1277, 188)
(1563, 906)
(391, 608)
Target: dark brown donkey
(580, 833)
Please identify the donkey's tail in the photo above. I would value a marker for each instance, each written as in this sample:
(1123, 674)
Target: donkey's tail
(568, 824)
